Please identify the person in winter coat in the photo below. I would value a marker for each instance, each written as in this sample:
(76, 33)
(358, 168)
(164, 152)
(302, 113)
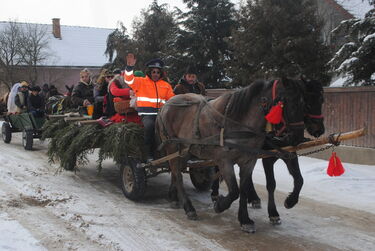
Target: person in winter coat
(35, 102)
(83, 92)
(118, 90)
(152, 93)
(189, 83)
(100, 91)
(21, 97)
(45, 92)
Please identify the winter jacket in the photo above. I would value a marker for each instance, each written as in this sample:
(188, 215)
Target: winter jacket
(35, 102)
(184, 87)
(81, 92)
(116, 88)
(151, 96)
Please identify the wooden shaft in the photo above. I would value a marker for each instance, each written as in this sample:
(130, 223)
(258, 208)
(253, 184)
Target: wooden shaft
(336, 137)
(169, 157)
(318, 142)
(67, 119)
(86, 122)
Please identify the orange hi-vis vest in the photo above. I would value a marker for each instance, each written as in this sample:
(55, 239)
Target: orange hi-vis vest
(151, 96)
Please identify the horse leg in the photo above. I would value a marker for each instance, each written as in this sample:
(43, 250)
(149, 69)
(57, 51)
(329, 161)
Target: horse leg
(224, 202)
(176, 165)
(172, 193)
(247, 225)
(253, 198)
(294, 170)
(215, 186)
(271, 185)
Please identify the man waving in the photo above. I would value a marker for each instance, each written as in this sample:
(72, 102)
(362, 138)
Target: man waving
(152, 92)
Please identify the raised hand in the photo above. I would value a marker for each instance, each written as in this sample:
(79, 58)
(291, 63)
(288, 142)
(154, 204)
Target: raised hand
(130, 59)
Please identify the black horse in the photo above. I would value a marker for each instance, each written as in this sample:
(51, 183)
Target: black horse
(313, 120)
(227, 130)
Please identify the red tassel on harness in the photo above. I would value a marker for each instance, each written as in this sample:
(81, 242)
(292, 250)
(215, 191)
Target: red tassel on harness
(335, 167)
(276, 113)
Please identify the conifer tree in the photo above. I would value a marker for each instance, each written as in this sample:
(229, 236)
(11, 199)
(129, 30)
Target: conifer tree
(202, 39)
(278, 38)
(356, 58)
(154, 33)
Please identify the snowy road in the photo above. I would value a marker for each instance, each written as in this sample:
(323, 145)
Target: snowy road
(41, 209)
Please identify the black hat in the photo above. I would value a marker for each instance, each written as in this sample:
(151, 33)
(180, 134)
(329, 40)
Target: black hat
(35, 88)
(116, 71)
(191, 69)
(155, 63)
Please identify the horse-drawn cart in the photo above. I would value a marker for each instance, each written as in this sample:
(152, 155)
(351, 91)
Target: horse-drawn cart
(72, 138)
(134, 173)
(27, 123)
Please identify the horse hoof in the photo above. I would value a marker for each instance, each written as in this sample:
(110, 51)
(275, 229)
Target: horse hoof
(217, 206)
(192, 215)
(175, 205)
(248, 228)
(256, 204)
(275, 220)
(290, 202)
(214, 198)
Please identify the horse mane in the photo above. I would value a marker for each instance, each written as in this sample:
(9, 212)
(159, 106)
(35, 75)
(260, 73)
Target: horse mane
(240, 100)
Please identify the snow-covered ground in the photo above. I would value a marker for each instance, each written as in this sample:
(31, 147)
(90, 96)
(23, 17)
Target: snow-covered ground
(41, 209)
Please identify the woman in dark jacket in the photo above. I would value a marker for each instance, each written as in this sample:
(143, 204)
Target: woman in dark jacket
(83, 92)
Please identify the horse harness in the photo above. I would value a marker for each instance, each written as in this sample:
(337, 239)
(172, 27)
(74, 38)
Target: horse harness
(224, 138)
(276, 129)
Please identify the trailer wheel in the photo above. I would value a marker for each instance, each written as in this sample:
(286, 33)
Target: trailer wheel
(27, 139)
(202, 177)
(133, 179)
(6, 132)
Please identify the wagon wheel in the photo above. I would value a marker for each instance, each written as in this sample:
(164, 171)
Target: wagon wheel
(202, 177)
(6, 132)
(27, 139)
(133, 179)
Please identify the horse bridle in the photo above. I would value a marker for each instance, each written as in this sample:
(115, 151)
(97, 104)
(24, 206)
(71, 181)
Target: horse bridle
(283, 122)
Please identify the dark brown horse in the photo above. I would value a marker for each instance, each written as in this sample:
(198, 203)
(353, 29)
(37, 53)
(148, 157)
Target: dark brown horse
(314, 125)
(228, 130)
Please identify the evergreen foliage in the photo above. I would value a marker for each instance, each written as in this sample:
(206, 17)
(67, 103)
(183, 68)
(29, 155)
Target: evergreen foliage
(278, 38)
(203, 39)
(356, 57)
(118, 44)
(154, 33)
(70, 144)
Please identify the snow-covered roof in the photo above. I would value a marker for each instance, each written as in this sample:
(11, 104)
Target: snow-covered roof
(358, 8)
(79, 46)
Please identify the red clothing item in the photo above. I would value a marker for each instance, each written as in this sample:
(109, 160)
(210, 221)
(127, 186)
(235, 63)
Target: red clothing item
(131, 117)
(119, 92)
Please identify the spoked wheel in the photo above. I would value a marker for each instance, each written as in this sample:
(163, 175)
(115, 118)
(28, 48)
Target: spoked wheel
(6, 132)
(27, 139)
(133, 179)
(202, 177)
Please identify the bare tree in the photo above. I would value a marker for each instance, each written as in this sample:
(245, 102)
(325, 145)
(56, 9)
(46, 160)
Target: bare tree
(22, 47)
(9, 52)
(34, 48)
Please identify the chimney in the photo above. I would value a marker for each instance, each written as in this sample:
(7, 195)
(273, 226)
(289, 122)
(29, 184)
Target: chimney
(56, 31)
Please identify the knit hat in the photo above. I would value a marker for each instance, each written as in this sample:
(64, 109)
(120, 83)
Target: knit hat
(139, 74)
(35, 88)
(191, 69)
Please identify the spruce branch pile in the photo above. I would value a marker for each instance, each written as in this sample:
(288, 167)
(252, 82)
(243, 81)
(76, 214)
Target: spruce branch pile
(70, 144)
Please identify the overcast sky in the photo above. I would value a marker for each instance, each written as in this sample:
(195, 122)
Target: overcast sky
(100, 13)
(94, 13)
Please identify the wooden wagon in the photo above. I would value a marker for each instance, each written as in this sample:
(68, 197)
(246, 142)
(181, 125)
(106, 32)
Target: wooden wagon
(26, 123)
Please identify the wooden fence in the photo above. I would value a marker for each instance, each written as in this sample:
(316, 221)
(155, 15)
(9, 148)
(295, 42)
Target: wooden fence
(344, 109)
